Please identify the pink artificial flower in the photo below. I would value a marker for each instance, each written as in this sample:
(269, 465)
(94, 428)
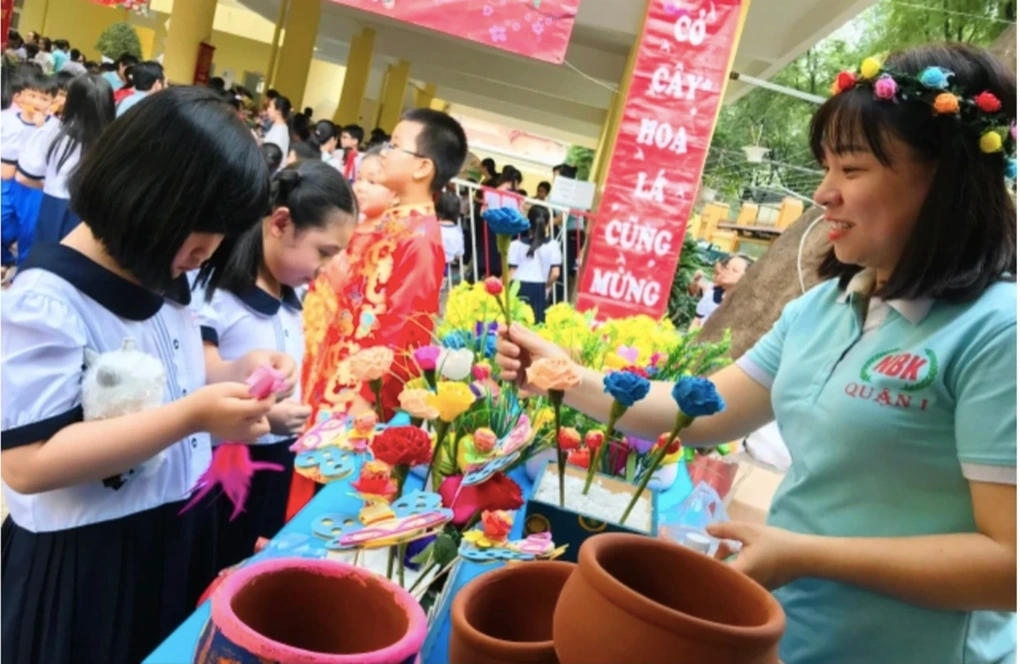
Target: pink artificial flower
(886, 88)
(426, 357)
(493, 286)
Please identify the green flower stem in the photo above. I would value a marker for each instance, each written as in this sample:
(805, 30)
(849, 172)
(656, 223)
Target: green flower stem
(376, 386)
(416, 422)
(503, 244)
(400, 472)
(615, 413)
(682, 421)
(425, 572)
(556, 397)
(401, 552)
(441, 429)
(391, 558)
(430, 378)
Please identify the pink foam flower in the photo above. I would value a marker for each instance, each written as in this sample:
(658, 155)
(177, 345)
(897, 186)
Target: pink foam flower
(886, 88)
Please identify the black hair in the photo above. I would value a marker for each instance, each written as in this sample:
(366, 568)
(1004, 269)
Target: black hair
(6, 74)
(965, 236)
(324, 132)
(74, 55)
(568, 171)
(61, 80)
(306, 151)
(311, 191)
(217, 83)
(62, 44)
(40, 82)
(354, 131)
(282, 104)
(24, 72)
(14, 38)
(146, 74)
(143, 211)
(46, 44)
(88, 110)
(126, 60)
(489, 164)
(308, 111)
(31, 50)
(273, 155)
(448, 207)
(510, 175)
(539, 218)
(379, 134)
(272, 94)
(300, 127)
(442, 141)
(544, 185)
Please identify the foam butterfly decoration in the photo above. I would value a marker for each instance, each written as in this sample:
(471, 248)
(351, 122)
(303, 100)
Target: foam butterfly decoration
(481, 467)
(479, 549)
(352, 434)
(325, 464)
(416, 515)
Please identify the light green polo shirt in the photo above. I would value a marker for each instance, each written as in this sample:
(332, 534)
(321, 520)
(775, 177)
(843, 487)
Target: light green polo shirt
(888, 409)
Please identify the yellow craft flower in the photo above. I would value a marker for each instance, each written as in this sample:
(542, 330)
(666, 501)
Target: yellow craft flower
(614, 362)
(543, 418)
(870, 68)
(451, 400)
(991, 142)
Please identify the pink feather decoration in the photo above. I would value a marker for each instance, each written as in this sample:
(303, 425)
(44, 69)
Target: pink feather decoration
(232, 467)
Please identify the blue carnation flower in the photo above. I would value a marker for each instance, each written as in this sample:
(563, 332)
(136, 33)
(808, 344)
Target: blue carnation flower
(1011, 169)
(697, 397)
(626, 388)
(935, 77)
(456, 340)
(506, 221)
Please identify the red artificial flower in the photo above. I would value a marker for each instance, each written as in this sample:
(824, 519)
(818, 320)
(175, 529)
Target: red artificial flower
(674, 446)
(569, 439)
(594, 439)
(493, 286)
(403, 446)
(497, 525)
(579, 457)
(988, 102)
(637, 371)
(499, 492)
(845, 80)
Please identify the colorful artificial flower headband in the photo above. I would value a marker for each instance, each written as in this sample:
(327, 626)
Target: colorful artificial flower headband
(982, 114)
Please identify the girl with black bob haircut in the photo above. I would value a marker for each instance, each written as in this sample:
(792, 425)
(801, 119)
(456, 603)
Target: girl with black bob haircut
(255, 306)
(106, 564)
(88, 110)
(893, 382)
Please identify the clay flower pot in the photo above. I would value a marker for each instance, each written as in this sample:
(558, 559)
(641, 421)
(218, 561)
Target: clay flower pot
(506, 616)
(639, 599)
(301, 611)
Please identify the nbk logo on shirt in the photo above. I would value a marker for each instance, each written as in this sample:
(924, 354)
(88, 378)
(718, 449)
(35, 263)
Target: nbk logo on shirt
(910, 373)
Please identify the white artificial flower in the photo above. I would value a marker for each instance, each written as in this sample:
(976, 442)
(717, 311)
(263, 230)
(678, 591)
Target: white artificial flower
(455, 364)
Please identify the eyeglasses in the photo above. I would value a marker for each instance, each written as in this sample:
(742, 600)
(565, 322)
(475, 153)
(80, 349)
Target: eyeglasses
(388, 145)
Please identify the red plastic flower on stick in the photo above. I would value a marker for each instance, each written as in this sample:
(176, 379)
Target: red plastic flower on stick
(988, 102)
(403, 446)
(637, 371)
(673, 448)
(497, 493)
(580, 458)
(494, 286)
(594, 439)
(569, 439)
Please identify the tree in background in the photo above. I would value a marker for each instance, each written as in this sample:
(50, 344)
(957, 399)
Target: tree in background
(582, 158)
(118, 39)
(682, 305)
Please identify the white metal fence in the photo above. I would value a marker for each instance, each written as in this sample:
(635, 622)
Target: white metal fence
(482, 242)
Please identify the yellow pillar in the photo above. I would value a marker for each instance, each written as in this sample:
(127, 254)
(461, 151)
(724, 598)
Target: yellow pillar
(295, 57)
(274, 50)
(359, 66)
(423, 97)
(604, 147)
(33, 17)
(440, 105)
(391, 99)
(191, 23)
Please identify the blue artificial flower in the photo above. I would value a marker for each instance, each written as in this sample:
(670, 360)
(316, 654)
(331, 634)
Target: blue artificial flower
(935, 77)
(506, 221)
(626, 388)
(456, 340)
(1011, 169)
(697, 397)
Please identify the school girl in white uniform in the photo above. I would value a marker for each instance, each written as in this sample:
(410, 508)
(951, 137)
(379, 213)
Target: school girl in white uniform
(255, 306)
(54, 152)
(98, 571)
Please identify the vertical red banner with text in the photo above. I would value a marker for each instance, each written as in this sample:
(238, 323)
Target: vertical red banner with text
(6, 14)
(668, 118)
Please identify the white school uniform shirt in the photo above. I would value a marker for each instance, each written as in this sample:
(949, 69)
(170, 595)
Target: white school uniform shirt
(279, 135)
(60, 304)
(257, 321)
(453, 241)
(536, 269)
(14, 133)
(35, 161)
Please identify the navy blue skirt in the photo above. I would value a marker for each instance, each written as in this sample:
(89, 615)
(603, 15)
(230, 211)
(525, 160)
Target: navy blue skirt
(108, 592)
(55, 219)
(264, 513)
(534, 294)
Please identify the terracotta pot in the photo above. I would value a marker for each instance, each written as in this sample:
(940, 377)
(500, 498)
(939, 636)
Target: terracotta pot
(302, 611)
(506, 616)
(639, 599)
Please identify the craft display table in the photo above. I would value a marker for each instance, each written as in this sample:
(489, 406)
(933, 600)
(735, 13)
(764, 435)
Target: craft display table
(296, 539)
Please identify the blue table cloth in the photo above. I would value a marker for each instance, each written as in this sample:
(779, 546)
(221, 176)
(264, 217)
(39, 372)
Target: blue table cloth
(296, 539)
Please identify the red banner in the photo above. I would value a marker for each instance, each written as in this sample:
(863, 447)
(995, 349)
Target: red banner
(203, 65)
(537, 29)
(6, 14)
(668, 119)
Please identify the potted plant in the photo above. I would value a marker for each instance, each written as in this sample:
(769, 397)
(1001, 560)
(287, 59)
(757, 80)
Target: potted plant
(118, 39)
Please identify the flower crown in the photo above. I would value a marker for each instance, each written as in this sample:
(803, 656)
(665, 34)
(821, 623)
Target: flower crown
(981, 114)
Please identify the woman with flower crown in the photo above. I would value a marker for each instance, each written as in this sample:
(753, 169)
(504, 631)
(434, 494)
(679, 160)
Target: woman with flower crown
(893, 535)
